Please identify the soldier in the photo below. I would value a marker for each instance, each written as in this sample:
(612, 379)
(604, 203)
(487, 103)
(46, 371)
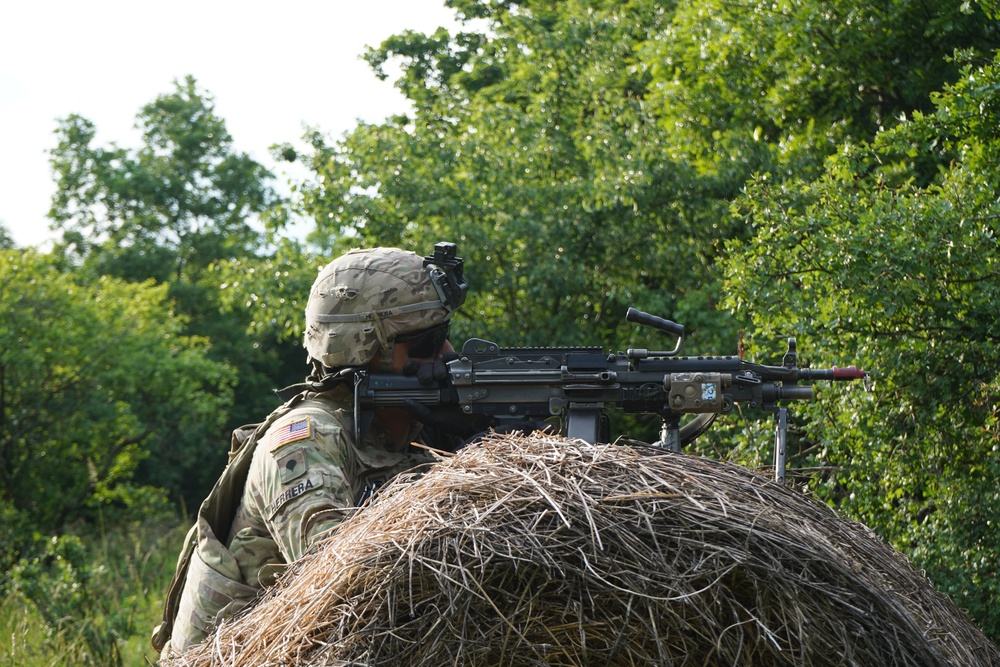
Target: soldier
(305, 469)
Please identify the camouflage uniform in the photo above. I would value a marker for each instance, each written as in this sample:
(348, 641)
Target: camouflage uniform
(303, 471)
(306, 476)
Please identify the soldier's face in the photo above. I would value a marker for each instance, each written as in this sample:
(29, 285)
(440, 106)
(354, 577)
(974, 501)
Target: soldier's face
(401, 354)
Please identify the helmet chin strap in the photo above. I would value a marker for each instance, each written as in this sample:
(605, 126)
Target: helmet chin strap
(380, 329)
(319, 380)
(384, 356)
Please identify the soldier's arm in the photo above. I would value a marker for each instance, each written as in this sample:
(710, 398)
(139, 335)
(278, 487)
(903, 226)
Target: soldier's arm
(298, 482)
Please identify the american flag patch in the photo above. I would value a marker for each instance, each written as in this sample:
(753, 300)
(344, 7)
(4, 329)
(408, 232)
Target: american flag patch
(291, 432)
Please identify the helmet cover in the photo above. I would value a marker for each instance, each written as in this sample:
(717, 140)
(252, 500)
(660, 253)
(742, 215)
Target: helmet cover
(362, 300)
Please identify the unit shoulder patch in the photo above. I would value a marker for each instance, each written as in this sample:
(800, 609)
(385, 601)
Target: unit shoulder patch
(291, 465)
(293, 431)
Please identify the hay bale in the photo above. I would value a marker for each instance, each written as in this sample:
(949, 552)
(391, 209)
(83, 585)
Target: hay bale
(546, 551)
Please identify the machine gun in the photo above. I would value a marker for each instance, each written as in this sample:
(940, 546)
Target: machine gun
(578, 384)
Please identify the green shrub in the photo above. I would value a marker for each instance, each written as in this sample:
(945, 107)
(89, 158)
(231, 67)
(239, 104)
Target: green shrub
(89, 599)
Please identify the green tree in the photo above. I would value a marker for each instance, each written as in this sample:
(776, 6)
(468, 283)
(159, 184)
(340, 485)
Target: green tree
(6, 240)
(533, 149)
(273, 291)
(584, 154)
(752, 85)
(93, 377)
(870, 263)
(168, 211)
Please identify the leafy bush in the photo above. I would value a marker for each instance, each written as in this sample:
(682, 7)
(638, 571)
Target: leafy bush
(89, 600)
(873, 263)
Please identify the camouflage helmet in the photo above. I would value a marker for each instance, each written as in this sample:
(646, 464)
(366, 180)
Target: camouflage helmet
(363, 300)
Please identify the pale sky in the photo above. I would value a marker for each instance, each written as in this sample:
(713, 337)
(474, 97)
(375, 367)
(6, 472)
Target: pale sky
(272, 67)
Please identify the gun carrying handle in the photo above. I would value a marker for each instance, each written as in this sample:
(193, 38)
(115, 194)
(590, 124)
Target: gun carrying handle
(666, 326)
(648, 320)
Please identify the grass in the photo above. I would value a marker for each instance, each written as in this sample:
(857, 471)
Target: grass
(96, 605)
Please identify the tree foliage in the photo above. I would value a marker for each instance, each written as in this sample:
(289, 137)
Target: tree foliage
(92, 378)
(6, 240)
(819, 169)
(586, 155)
(905, 276)
(533, 148)
(754, 85)
(272, 290)
(168, 211)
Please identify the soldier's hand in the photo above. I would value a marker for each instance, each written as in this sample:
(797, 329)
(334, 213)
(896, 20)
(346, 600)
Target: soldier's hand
(429, 372)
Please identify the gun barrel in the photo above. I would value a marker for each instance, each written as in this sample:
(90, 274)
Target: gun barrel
(771, 393)
(835, 373)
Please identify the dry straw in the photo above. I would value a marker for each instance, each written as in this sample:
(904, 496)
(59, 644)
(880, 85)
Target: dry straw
(545, 551)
